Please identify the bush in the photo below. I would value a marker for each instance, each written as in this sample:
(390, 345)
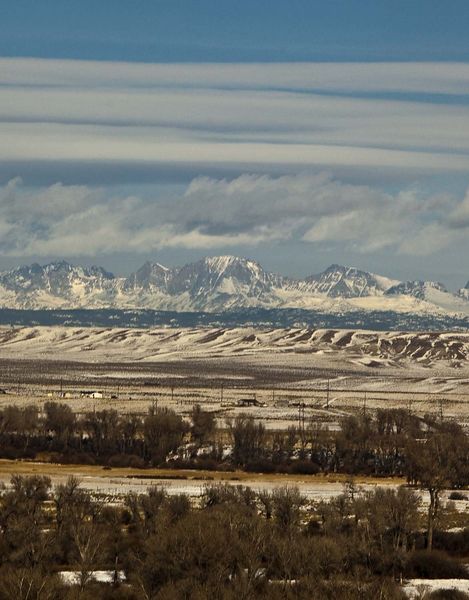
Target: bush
(126, 460)
(117, 460)
(433, 565)
(304, 467)
(454, 542)
(261, 466)
(77, 458)
(136, 462)
(458, 496)
(447, 595)
(10, 453)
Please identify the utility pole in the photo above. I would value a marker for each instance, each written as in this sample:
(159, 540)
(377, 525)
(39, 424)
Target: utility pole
(172, 394)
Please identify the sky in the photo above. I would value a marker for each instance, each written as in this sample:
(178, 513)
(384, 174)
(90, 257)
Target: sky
(299, 134)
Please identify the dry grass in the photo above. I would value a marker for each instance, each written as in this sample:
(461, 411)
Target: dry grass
(11, 467)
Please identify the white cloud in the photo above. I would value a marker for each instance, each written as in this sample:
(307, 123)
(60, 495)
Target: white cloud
(215, 213)
(426, 77)
(271, 115)
(239, 118)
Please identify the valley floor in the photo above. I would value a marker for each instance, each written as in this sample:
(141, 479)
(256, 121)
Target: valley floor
(270, 374)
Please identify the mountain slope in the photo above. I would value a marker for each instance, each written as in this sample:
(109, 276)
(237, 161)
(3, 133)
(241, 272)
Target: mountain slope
(224, 282)
(432, 293)
(338, 281)
(56, 284)
(216, 284)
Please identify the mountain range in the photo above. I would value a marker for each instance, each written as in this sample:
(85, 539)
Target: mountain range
(222, 283)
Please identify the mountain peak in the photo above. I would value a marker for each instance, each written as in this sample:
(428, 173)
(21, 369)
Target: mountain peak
(150, 276)
(219, 283)
(418, 289)
(223, 262)
(339, 281)
(341, 268)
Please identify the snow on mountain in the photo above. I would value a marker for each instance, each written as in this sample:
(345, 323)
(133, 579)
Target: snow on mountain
(418, 289)
(338, 281)
(55, 285)
(224, 282)
(433, 294)
(221, 283)
(150, 276)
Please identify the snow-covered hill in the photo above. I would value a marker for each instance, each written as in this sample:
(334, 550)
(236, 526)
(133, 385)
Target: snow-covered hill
(363, 348)
(221, 283)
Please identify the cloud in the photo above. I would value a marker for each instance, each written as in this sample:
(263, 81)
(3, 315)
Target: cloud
(459, 217)
(242, 116)
(370, 77)
(219, 213)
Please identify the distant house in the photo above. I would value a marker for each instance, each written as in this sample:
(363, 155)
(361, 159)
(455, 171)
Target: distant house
(97, 395)
(250, 402)
(247, 402)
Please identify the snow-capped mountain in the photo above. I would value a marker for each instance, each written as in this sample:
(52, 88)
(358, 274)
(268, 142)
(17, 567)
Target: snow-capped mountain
(150, 277)
(56, 284)
(418, 289)
(433, 293)
(219, 283)
(222, 282)
(338, 281)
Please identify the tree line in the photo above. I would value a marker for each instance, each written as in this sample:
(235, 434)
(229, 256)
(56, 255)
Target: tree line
(387, 443)
(428, 452)
(233, 543)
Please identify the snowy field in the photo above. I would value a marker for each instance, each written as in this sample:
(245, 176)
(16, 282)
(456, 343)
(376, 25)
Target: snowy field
(115, 483)
(267, 373)
(416, 588)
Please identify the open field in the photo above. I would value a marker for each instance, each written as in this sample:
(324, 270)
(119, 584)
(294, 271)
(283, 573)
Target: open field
(120, 481)
(115, 483)
(266, 373)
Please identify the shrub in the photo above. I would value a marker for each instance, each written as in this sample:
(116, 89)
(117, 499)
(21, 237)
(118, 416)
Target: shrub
(77, 458)
(433, 565)
(449, 594)
(458, 496)
(304, 467)
(136, 462)
(260, 466)
(454, 542)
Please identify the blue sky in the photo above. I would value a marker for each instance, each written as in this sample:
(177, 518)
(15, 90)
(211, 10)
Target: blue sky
(236, 30)
(298, 133)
